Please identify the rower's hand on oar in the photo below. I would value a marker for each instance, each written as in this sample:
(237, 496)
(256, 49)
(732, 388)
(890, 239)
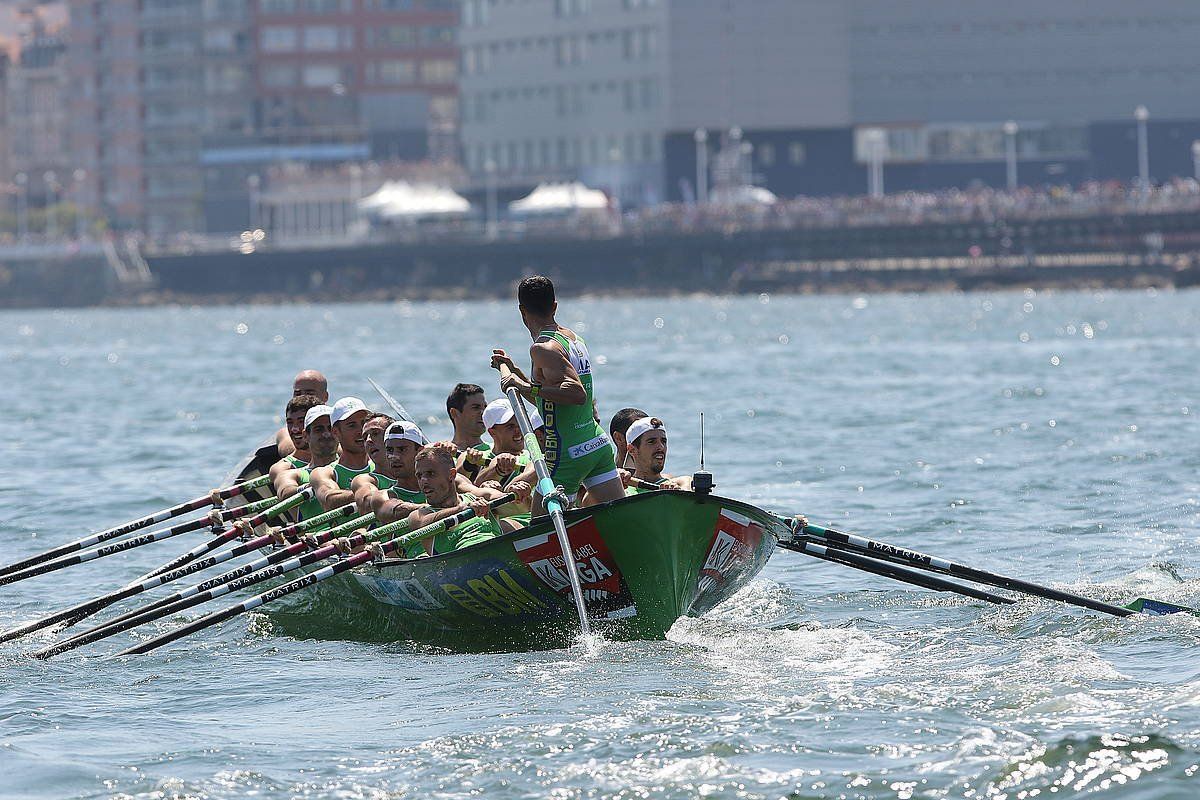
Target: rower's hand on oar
(504, 463)
(626, 476)
(499, 357)
(490, 485)
(476, 456)
(521, 489)
(480, 506)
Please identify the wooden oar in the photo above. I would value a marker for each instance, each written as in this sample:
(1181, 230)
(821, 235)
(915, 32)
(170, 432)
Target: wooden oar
(889, 552)
(378, 551)
(86, 609)
(902, 574)
(555, 502)
(400, 410)
(245, 575)
(137, 524)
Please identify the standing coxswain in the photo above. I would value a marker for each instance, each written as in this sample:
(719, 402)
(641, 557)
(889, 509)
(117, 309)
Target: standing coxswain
(308, 381)
(578, 452)
(331, 483)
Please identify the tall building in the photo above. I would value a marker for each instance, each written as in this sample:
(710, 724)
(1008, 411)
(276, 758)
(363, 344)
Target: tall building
(183, 106)
(617, 92)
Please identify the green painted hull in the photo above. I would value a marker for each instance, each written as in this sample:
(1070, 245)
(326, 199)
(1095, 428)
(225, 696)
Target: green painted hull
(645, 561)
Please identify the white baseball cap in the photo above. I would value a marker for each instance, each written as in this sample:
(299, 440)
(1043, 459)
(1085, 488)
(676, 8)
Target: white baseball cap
(345, 408)
(641, 426)
(403, 430)
(500, 411)
(315, 413)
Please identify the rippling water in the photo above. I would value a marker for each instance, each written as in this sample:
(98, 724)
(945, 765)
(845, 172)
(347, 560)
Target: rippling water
(1051, 436)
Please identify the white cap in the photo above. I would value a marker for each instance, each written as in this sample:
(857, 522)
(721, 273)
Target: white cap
(345, 408)
(404, 430)
(315, 413)
(500, 411)
(641, 426)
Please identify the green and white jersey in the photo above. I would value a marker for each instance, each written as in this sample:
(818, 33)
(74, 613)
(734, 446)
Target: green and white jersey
(630, 491)
(309, 508)
(474, 531)
(383, 481)
(344, 475)
(407, 495)
(296, 463)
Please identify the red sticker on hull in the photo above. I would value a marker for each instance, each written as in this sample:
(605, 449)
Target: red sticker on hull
(604, 590)
(735, 541)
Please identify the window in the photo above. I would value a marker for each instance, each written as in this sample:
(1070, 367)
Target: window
(324, 38)
(277, 6)
(277, 76)
(278, 39)
(766, 154)
(392, 37)
(441, 70)
(392, 71)
(797, 154)
(320, 75)
(437, 35)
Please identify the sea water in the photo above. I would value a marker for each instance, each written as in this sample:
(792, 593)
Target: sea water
(1051, 436)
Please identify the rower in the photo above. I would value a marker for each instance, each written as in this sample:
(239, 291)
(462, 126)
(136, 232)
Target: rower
(331, 483)
(510, 460)
(578, 452)
(294, 414)
(391, 491)
(465, 407)
(435, 477)
(308, 381)
(323, 450)
(373, 431)
(648, 450)
(616, 429)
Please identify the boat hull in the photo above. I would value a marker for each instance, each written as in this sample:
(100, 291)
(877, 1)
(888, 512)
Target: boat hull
(644, 561)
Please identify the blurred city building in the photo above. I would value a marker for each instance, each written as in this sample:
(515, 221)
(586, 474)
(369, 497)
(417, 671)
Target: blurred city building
(183, 106)
(650, 98)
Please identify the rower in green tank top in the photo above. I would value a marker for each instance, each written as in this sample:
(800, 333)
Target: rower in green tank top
(391, 491)
(436, 476)
(561, 383)
(323, 448)
(332, 483)
(297, 437)
(511, 464)
(647, 448)
(465, 406)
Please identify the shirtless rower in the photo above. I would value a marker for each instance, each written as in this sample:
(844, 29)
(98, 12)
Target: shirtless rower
(308, 381)
(616, 429)
(323, 450)
(391, 491)
(648, 449)
(435, 477)
(331, 483)
(465, 406)
(578, 452)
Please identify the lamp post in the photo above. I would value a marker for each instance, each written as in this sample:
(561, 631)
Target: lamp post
(22, 181)
(1196, 159)
(79, 176)
(1142, 114)
(701, 137)
(489, 169)
(875, 141)
(51, 181)
(1010, 154)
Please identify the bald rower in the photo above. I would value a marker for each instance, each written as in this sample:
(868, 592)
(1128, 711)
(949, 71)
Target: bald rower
(331, 483)
(311, 382)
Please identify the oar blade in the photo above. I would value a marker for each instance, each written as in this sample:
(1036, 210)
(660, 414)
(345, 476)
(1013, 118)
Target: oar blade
(1159, 608)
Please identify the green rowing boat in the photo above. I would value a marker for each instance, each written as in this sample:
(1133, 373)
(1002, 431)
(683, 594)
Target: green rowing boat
(644, 562)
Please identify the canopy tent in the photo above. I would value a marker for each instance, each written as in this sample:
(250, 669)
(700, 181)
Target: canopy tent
(559, 198)
(743, 195)
(403, 200)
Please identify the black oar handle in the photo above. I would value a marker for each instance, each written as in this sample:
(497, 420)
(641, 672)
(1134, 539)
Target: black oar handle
(890, 552)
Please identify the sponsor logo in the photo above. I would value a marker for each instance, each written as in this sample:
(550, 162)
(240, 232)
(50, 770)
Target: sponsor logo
(605, 593)
(734, 543)
(590, 446)
(496, 594)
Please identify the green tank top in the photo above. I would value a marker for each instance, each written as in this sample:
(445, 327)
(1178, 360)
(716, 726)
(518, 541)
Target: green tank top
(383, 481)
(571, 431)
(630, 491)
(344, 475)
(473, 531)
(310, 507)
(407, 495)
(296, 463)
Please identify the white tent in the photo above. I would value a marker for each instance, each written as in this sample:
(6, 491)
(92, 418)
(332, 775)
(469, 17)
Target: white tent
(742, 196)
(551, 198)
(399, 199)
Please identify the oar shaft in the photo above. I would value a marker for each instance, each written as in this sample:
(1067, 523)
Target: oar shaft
(895, 572)
(549, 493)
(135, 525)
(225, 583)
(890, 552)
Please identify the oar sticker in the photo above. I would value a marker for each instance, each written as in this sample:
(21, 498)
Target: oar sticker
(605, 592)
(735, 541)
